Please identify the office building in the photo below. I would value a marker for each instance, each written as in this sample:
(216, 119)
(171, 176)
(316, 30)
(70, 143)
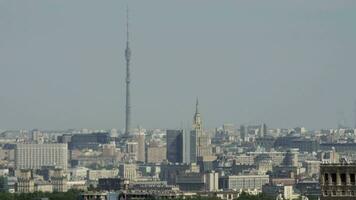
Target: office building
(141, 147)
(35, 156)
(175, 146)
(243, 132)
(88, 141)
(243, 182)
(132, 149)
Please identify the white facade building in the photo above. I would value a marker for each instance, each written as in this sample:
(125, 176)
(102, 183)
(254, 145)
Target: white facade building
(35, 156)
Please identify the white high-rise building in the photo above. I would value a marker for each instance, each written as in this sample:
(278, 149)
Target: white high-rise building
(35, 156)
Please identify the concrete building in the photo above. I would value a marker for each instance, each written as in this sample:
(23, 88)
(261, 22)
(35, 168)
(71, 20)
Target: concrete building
(243, 182)
(128, 171)
(155, 154)
(25, 182)
(243, 133)
(59, 181)
(141, 147)
(275, 190)
(312, 167)
(338, 181)
(132, 150)
(262, 132)
(203, 141)
(90, 141)
(109, 150)
(211, 181)
(35, 156)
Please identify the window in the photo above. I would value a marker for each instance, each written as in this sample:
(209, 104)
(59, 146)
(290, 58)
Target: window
(325, 193)
(333, 178)
(343, 179)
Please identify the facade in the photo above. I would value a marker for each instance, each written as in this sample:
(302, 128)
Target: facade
(211, 181)
(338, 181)
(59, 181)
(243, 182)
(25, 182)
(128, 171)
(132, 149)
(262, 132)
(155, 154)
(243, 133)
(35, 156)
(175, 146)
(141, 147)
(275, 190)
(193, 147)
(90, 141)
(203, 141)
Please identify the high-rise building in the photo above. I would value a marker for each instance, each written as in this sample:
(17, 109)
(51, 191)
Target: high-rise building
(193, 146)
(141, 147)
(262, 132)
(132, 149)
(35, 156)
(203, 141)
(243, 132)
(175, 146)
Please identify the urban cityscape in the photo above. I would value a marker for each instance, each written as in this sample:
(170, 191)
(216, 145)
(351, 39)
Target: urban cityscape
(243, 160)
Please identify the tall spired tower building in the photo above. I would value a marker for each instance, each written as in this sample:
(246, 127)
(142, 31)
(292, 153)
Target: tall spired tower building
(197, 122)
(127, 58)
(202, 141)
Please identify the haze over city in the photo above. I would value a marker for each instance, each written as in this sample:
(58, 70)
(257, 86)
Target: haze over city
(278, 62)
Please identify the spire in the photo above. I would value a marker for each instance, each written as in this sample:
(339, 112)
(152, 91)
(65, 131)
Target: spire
(197, 106)
(197, 122)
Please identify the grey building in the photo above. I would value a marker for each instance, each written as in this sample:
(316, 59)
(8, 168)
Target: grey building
(36, 156)
(243, 182)
(338, 181)
(175, 146)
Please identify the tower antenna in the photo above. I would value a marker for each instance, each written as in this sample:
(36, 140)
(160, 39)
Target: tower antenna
(127, 58)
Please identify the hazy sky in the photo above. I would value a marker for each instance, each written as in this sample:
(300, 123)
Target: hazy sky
(286, 63)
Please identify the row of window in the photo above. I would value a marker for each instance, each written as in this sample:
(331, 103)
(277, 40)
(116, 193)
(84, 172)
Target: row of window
(338, 193)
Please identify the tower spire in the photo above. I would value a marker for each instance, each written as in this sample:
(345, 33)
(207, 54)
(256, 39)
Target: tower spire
(197, 122)
(197, 106)
(127, 58)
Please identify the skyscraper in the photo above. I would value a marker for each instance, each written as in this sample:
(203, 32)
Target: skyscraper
(193, 147)
(203, 142)
(243, 132)
(262, 132)
(175, 146)
(141, 146)
(127, 58)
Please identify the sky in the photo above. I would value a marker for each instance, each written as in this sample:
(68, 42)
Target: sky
(282, 62)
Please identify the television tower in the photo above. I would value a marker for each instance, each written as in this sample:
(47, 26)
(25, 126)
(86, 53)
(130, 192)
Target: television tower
(127, 58)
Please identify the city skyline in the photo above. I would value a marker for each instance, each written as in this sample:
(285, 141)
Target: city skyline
(246, 65)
